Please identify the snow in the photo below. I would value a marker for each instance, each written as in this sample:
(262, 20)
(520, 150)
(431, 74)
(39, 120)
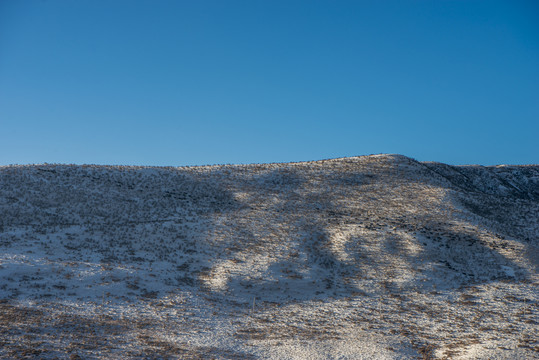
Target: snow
(377, 257)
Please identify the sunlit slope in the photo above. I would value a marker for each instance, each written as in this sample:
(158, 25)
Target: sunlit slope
(375, 227)
(336, 222)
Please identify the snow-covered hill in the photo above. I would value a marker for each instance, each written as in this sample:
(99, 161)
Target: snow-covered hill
(355, 258)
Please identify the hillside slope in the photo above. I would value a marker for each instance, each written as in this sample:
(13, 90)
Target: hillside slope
(367, 257)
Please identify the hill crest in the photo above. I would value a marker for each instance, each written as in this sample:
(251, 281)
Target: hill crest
(376, 239)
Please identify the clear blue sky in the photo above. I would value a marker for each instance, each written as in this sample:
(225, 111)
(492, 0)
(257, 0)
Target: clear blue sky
(205, 82)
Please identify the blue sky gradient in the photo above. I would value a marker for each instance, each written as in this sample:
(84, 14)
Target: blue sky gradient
(210, 82)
